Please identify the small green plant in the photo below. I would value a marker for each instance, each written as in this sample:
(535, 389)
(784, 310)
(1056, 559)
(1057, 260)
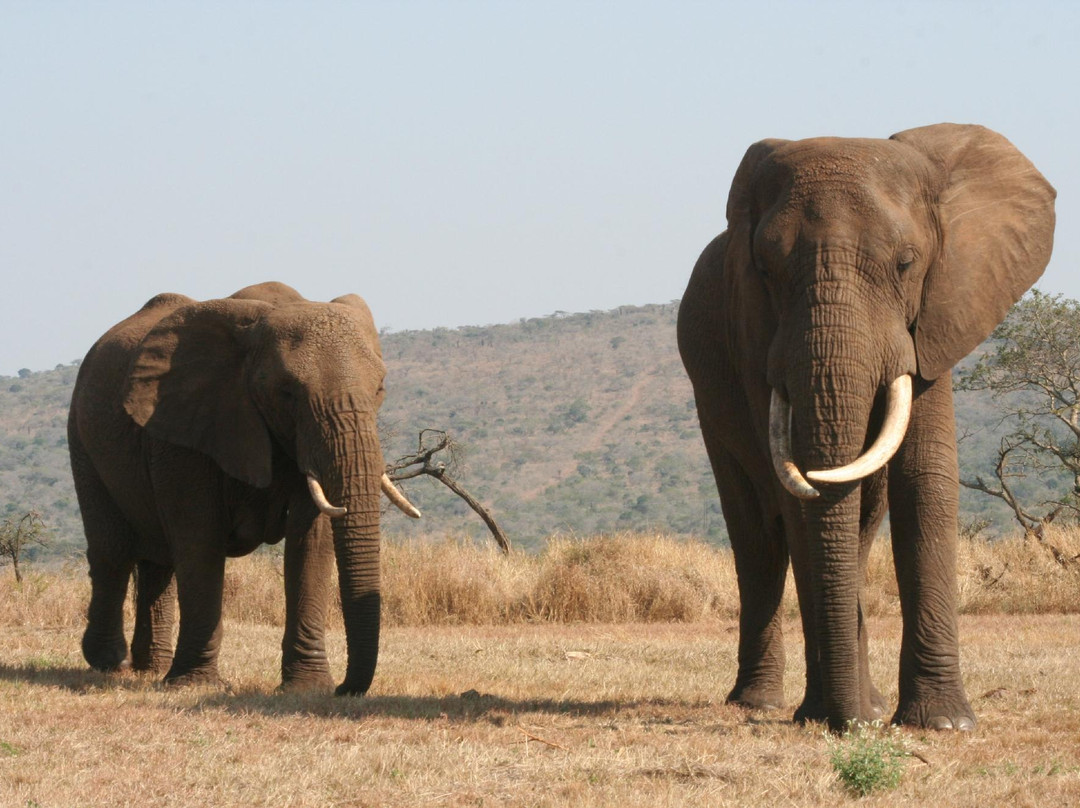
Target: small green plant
(868, 757)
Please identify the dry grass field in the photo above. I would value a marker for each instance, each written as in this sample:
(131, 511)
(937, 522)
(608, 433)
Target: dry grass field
(591, 674)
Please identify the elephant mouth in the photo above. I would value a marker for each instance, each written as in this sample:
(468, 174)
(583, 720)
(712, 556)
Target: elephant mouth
(392, 492)
(897, 415)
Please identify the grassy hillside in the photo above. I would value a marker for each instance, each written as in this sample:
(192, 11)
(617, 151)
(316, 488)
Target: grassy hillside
(577, 423)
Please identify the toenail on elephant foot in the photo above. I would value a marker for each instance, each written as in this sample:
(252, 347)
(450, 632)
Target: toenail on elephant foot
(957, 717)
(962, 723)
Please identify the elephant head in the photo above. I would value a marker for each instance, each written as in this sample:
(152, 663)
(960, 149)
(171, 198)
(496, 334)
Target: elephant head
(918, 244)
(271, 386)
(858, 269)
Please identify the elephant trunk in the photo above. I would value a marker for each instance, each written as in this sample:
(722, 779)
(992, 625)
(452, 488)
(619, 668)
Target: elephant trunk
(350, 470)
(832, 390)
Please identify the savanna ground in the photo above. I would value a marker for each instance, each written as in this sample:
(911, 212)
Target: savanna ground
(591, 674)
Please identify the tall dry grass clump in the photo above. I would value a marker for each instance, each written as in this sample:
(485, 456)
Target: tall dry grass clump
(625, 578)
(455, 582)
(615, 578)
(53, 599)
(1022, 576)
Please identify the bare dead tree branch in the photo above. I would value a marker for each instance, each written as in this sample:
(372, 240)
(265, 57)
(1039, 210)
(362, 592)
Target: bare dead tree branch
(423, 462)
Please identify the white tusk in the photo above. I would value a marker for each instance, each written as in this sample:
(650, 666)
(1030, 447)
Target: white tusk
(319, 497)
(780, 449)
(393, 493)
(897, 414)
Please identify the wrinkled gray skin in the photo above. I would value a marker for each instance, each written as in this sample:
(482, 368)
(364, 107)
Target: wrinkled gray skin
(848, 263)
(193, 426)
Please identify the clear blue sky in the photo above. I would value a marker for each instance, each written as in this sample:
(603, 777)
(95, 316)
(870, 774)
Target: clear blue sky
(459, 163)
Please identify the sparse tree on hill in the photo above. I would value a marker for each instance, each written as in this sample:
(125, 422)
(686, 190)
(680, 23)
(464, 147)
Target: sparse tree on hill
(1033, 374)
(16, 535)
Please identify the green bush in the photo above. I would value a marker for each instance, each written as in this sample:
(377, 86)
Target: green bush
(868, 757)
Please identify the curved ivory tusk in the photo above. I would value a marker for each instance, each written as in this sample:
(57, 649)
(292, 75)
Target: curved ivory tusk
(393, 493)
(320, 498)
(897, 413)
(780, 449)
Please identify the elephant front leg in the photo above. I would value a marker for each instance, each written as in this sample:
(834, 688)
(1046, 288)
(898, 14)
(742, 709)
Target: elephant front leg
(923, 497)
(761, 560)
(309, 577)
(155, 615)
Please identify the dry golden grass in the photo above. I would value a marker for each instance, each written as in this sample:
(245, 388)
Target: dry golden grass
(482, 698)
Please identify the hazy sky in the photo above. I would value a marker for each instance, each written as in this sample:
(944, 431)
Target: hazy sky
(459, 163)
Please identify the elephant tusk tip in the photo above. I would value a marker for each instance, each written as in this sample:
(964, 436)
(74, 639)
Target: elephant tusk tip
(414, 513)
(333, 512)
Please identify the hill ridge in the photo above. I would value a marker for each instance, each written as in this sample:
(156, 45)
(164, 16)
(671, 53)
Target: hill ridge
(570, 423)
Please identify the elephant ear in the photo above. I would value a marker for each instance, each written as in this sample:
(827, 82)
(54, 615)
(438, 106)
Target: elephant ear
(996, 216)
(187, 385)
(754, 189)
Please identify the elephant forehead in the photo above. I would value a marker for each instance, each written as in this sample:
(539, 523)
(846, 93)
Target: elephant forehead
(861, 171)
(320, 333)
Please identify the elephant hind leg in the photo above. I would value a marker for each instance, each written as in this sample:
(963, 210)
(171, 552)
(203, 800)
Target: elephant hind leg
(103, 644)
(155, 615)
(110, 540)
(200, 576)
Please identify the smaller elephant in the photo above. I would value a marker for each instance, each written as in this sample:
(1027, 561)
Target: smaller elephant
(200, 430)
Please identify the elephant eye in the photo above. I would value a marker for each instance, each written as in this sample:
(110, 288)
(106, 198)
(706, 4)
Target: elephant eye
(907, 258)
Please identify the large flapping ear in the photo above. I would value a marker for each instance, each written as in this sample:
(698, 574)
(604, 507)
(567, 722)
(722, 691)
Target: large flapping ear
(187, 386)
(996, 216)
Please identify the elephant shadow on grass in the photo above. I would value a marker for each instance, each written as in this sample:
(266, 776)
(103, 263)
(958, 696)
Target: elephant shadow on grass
(77, 679)
(467, 707)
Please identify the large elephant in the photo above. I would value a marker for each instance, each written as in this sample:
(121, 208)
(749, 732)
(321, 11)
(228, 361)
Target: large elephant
(819, 331)
(200, 430)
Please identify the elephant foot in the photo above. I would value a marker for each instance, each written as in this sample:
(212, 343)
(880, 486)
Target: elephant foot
(941, 714)
(153, 662)
(757, 698)
(345, 689)
(301, 681)
(105, 655)
(814, 712)
(810, 711)
(199, 677)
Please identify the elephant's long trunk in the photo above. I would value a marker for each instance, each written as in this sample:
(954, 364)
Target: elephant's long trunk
(832, 387)
(348, 462)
